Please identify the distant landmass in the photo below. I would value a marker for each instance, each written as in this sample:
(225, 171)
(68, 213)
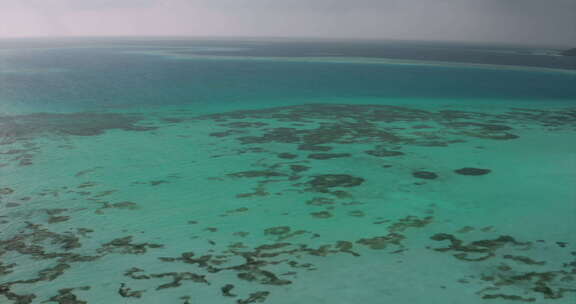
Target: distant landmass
(570, 52)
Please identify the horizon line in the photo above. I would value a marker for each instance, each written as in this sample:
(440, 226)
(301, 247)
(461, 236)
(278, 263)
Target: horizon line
(307, 38)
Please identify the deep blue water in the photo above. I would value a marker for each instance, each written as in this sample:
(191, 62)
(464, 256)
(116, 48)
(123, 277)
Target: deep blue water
(104, 77)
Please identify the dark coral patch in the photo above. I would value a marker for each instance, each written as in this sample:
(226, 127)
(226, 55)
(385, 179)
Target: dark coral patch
(425, 174)
(80, 124)
(356, 213)
(382, 242)
(486, 248)
(299, 168)
(6, 191)
(384, 153)
(256, 173)
(322, 156)
(306, 147)
(65, 296)
(320, 201)
(256, 297)
(245, 124)
(127, 292)
(287, 155)
(335, 180)
(125, 246)
(226, 290)
(277, 230)
(321, 214)
(472, 171)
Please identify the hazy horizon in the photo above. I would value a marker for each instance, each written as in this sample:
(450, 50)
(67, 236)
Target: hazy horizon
(530, 22)
(287, 39)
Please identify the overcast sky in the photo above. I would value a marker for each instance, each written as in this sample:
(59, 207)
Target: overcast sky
(545, 22)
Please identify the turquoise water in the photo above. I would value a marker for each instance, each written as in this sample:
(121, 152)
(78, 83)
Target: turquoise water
(150, 176)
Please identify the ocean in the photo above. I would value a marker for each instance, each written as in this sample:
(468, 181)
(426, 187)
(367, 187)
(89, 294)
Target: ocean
(147, 170)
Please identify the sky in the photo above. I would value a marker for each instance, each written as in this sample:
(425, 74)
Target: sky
(538, 22)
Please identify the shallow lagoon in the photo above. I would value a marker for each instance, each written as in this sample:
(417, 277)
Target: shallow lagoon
(262, 190)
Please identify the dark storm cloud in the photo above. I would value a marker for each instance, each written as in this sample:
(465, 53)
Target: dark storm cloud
(340, 5)
(524, 21)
